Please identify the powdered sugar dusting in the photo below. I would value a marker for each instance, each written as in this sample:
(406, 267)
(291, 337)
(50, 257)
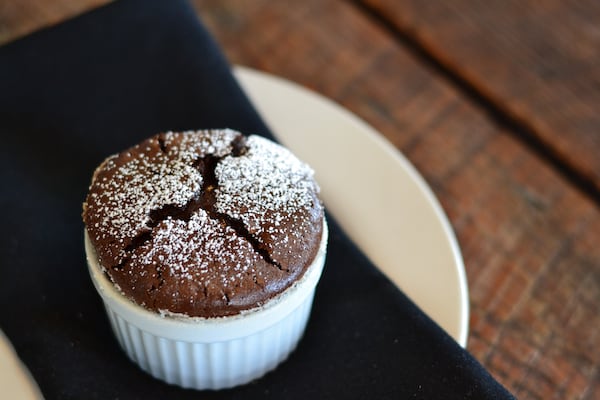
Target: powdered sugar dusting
(199, 249)
(144, 183)
(265, 187)
(157, 172)
(189, 146)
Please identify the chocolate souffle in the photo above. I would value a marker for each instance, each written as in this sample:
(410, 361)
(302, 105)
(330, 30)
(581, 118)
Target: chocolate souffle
(205, 223)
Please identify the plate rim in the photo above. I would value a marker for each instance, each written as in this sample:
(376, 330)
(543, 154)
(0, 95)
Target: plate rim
(245, 74)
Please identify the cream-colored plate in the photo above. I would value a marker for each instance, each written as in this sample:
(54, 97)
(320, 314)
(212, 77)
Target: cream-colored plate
(378, 197)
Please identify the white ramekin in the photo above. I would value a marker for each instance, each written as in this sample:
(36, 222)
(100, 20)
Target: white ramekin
(210, 353)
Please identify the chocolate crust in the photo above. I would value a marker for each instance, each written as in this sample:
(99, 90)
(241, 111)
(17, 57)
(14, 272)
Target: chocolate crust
(204, 223)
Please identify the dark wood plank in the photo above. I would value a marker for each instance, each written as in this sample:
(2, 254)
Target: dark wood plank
(536, 61)
(18, 18)
(527, 236)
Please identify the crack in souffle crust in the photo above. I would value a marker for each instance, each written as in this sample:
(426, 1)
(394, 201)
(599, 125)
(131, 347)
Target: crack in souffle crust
(203, 223)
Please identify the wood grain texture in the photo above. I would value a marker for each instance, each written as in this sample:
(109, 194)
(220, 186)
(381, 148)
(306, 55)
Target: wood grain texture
(536, 61)
(527, 236)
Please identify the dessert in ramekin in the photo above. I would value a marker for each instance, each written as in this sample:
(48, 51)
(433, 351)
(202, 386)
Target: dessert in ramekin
(206, 248)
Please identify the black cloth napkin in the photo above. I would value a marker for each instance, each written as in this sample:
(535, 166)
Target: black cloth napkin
(75, 93)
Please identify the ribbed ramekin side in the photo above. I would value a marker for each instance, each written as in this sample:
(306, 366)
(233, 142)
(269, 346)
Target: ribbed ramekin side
(213, 365)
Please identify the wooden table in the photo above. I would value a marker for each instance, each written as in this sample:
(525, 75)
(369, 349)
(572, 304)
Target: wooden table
(497, 103)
